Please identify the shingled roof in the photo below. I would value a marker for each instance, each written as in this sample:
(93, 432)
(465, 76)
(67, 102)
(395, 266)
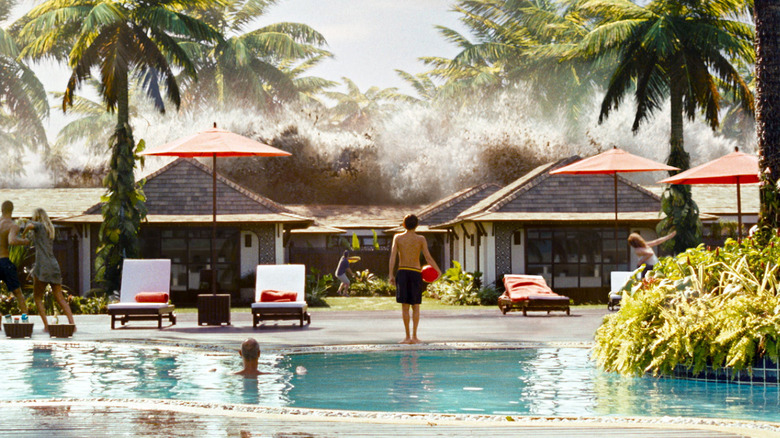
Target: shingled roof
(447, 209)
(539, 196)
(58, 202)
(182, 190)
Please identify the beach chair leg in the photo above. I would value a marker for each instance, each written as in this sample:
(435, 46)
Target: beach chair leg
(113, 321)
(159, 320)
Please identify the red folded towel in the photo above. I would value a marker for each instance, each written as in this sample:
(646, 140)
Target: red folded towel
(151, 297)
(276, 296)
(521, 287)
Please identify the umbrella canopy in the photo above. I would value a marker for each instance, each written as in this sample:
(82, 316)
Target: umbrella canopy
(735, 168)
(613, 161)
(215, 143)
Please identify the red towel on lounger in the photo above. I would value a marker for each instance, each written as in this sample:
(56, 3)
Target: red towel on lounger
(276, 296)
(151, 297)
(525, 287)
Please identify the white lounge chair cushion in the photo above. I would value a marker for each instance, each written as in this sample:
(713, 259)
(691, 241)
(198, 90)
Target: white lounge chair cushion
(131, 306)
(281, 304)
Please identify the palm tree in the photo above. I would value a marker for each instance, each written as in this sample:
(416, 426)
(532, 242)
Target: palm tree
(123, 40)
(94, 124)
(767, 19)
(307, 88)
(248, 67)
(23, 105)
(676, 49)
(355, 109)
(427, 90)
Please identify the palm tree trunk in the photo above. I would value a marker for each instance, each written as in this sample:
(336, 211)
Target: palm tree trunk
(682, 213)
(123, 212)
(767, 19)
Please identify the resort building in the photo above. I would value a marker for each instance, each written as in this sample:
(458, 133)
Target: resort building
(559, 226)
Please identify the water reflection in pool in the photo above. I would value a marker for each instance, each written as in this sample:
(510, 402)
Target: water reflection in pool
(537, 382)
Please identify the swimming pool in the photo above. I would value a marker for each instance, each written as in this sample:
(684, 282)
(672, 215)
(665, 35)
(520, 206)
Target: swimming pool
(529, 381)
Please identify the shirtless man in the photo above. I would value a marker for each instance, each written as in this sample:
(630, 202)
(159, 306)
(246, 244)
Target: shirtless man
(250, 353)
(407, 248)
(9, 235)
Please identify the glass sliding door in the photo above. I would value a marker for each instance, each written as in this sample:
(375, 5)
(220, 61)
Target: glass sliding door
(578, 257)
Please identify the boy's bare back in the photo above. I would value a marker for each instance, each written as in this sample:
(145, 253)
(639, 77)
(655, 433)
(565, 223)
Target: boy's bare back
(410, 245)
(7, 227)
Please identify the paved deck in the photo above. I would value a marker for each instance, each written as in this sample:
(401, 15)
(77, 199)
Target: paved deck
(464, 325)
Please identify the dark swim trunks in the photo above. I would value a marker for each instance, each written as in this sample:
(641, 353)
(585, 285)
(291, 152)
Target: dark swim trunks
(8, 274)
(408, 286)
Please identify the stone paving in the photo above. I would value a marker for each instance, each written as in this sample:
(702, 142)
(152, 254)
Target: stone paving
(331, 329)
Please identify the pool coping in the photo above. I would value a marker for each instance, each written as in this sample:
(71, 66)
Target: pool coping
(744, 427)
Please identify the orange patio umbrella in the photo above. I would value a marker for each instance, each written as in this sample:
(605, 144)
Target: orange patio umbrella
(735, 168)
(612, 162)
(212, 143)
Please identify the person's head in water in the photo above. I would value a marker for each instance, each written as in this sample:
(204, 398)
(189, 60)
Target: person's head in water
(250, 349)
(410, 222)
(636, 241)
(7, 208)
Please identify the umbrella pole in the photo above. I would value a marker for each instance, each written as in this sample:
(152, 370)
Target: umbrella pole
(214, 224)
(739, 213)
(616, 216)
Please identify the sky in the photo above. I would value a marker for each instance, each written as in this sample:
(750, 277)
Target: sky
(372, 38)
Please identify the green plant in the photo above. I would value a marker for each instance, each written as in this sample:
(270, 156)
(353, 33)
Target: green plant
(702, 308)
(488, 295)
(455, 286)
(366, 284)
(317, 287)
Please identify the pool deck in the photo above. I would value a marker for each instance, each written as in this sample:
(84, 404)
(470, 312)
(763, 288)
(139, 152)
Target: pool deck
(335, 330)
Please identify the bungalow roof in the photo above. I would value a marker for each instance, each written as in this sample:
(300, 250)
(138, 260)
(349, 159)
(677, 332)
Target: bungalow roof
(181, 192)
(449, 208)
(350, 217)
(537, 196)
(58, 202)
(720, 199)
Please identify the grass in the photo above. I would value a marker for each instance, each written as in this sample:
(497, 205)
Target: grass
(362, 304)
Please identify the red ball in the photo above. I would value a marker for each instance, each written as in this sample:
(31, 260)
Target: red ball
(429, 275)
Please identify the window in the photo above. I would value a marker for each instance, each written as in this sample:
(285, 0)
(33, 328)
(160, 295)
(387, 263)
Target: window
(190, 252)
(576, 257)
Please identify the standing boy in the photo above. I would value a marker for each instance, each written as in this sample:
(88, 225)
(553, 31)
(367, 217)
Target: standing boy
(407, 248)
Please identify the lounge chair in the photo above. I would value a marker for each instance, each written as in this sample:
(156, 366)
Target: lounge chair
(617, 279)
(530, 292)
(152, 276)
(280, 280)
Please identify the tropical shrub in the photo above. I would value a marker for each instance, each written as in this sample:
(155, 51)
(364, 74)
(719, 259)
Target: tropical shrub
(455, 286)
(317, 287)
(703, 307)
(366, 284)
(488, 296)
(94, 305)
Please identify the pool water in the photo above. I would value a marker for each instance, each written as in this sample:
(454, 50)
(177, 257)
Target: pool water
(536, 382)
